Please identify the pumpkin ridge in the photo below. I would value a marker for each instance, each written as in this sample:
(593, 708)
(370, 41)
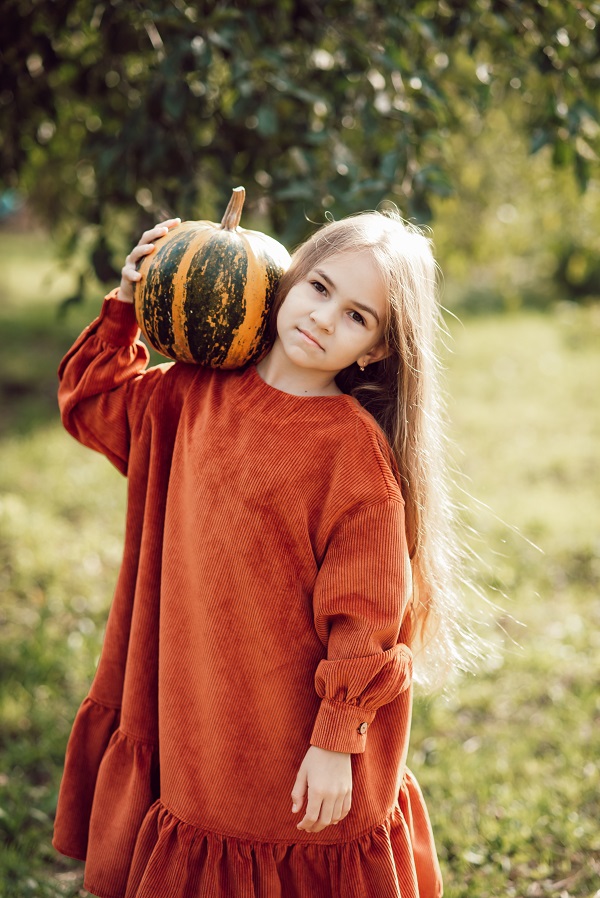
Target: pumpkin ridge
(260, 292)
(241, 347)
(159, 294)
(218, 274)
(181, 346)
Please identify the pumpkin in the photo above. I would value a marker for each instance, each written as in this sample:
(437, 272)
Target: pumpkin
(207, 289)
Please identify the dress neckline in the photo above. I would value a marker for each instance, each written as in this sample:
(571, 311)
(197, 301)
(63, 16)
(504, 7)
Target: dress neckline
(266, 388)
(254, 387)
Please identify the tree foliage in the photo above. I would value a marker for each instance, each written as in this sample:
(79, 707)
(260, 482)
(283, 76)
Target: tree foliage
(113, 112)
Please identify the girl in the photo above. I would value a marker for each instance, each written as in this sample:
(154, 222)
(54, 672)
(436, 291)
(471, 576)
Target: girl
(246, 732)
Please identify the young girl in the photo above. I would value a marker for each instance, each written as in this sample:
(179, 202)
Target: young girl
(246, 732)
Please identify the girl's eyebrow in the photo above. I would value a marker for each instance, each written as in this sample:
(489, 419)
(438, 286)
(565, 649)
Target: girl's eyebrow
(360, 305)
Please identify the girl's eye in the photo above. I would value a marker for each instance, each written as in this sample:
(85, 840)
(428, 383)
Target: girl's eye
(359, 318)
(319, 287)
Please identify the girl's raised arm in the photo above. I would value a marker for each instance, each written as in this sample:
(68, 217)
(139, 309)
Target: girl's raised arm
(104, 385)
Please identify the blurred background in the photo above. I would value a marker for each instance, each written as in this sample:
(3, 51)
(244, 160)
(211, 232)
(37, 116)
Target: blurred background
(478, 119)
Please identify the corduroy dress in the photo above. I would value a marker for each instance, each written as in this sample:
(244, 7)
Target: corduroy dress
(259, 609)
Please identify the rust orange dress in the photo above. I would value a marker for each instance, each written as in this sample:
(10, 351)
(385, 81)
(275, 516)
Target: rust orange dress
(259, 609)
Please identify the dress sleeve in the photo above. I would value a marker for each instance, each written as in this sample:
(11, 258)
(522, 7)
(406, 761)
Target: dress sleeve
(104, 385)
(359, 600)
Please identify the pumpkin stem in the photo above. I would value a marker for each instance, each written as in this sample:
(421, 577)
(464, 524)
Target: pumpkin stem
(233, 212)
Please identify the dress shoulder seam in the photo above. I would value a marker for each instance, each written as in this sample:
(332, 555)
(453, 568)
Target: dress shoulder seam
(363, 509)
(372, 436)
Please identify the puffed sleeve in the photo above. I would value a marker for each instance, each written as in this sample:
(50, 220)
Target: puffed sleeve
(104, 384)
(360, 597)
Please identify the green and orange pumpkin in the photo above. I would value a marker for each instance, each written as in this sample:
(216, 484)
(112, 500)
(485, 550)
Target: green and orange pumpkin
(207, 289)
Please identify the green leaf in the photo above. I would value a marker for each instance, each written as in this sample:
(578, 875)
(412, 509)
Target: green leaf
(541, 137)
(389, 164)
(175, 98)
(297, 190)
(267, 121)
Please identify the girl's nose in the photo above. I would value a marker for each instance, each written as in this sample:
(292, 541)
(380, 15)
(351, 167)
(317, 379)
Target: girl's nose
(323, 318)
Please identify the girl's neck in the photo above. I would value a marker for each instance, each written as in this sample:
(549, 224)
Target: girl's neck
(278, 372)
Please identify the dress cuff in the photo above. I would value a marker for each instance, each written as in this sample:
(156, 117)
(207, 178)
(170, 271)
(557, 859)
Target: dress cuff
(117, 324)
(341, 727)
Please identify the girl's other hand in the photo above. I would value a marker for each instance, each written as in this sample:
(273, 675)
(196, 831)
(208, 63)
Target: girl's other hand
(327, 775)
(129, 273)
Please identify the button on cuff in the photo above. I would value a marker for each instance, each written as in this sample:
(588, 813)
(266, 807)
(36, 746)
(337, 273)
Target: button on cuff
(338, 727)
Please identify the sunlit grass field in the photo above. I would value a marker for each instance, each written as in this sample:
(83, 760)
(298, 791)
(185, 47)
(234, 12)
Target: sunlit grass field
(509, 759)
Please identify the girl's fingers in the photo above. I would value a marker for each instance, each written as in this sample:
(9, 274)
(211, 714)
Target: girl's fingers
(169, 223)
(159, 230)
(146, 244)
(346, 805)
(130, 274)
(299, 791)
(326, 815)
(337, 810)
(142, 249)
(333, 812)
(313, 809)
(129, 270)
(321, 813)
(153, 234)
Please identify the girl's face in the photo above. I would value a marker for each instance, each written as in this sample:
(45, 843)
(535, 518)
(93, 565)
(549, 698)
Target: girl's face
(335, 316)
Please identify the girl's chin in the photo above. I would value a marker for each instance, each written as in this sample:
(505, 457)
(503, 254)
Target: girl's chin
(304, 359)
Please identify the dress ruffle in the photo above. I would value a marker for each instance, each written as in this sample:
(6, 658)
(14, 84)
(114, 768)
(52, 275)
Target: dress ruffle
(185, 862)
(118, 776)
(180, 860)
(92, 731)
(138, 848)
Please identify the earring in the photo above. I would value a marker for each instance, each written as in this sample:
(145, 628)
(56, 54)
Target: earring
(362, 367)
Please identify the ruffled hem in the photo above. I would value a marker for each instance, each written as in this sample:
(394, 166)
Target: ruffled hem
(139, 849)
(180, 860)
(92, 731)
(110, 781)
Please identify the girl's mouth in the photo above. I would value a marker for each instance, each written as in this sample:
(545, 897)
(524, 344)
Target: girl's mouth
(309, 338)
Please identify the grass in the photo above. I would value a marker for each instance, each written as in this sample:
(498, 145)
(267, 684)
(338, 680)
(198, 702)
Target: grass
(508, 759)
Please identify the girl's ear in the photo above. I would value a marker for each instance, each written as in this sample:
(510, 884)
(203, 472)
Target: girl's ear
(379, 352)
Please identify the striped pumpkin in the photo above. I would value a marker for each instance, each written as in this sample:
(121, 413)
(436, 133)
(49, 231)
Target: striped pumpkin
(206, 290)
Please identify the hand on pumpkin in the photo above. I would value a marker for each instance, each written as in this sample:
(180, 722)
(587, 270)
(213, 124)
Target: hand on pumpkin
(328, 777)
(129, 273)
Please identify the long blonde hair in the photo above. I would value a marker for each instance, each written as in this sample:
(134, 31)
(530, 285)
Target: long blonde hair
(404, 395)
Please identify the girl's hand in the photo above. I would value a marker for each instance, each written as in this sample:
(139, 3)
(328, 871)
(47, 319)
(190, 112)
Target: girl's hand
(129, 273)
(328, 777)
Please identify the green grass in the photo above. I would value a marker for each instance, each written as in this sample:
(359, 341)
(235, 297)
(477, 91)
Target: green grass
(508, 759)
